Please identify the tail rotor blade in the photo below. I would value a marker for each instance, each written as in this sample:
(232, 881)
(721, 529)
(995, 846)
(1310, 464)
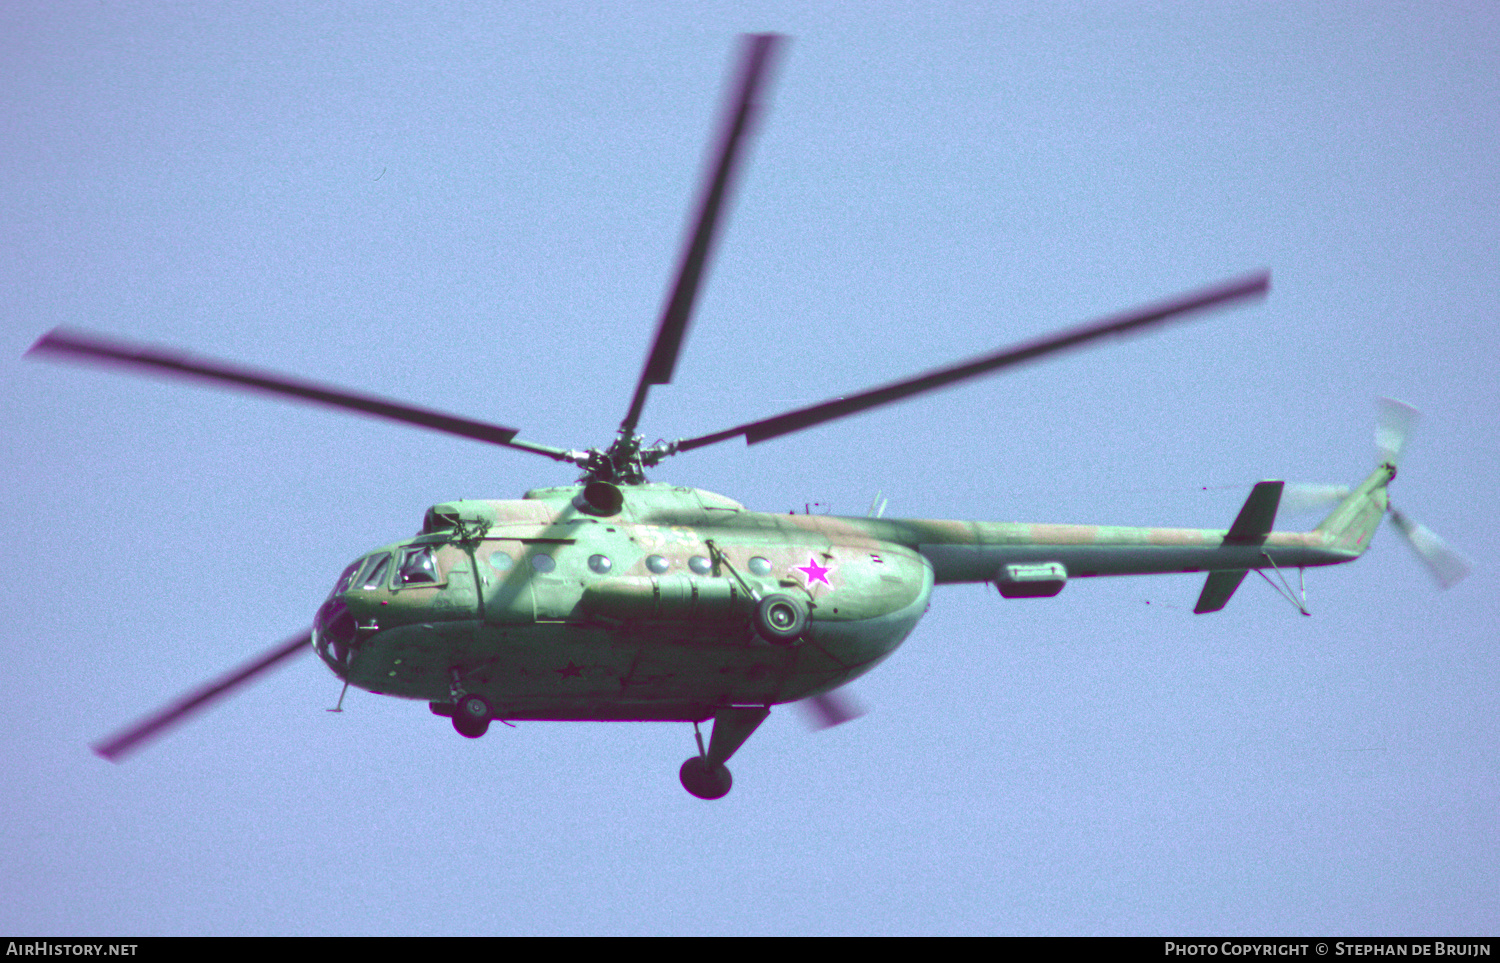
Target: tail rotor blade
(1299, 497)
(1448, 567)
(1397, 418)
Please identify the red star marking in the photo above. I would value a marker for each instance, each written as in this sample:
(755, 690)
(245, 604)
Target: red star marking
(571, 671)
(815, 573)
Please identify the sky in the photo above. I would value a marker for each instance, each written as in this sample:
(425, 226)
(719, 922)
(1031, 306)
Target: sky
(478, 207)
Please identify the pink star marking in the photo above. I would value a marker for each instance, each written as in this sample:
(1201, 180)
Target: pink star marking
(815, 573)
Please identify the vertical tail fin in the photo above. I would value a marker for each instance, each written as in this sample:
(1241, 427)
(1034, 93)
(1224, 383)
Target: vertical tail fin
(1250, 527)
(1351, 524)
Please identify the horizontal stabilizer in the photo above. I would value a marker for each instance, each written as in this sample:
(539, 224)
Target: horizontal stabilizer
(1251, 526)
(1217, 589)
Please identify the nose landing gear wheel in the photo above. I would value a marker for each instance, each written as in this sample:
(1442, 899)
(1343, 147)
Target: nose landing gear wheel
(704, 781)
(471, 716)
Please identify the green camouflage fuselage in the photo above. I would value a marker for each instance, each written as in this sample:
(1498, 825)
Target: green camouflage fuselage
(551, 612)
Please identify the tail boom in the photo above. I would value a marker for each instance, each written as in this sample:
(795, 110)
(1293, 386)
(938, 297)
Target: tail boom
(1090, 550)
(977, 551)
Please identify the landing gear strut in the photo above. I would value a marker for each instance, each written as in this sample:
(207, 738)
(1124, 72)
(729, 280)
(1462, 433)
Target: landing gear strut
(705, 774)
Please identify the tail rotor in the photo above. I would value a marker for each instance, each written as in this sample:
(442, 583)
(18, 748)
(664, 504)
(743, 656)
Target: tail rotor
(1392, 431)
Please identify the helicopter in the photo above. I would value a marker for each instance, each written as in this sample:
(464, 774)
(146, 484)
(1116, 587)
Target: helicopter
(617, 598)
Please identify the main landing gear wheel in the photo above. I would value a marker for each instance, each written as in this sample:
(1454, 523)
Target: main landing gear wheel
(781, 618)
(471, 716)
(704, 781)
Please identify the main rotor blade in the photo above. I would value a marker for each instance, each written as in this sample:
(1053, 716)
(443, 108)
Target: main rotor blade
(1252, 285)
(125, 741)
(756, 51)
(76, 346)
(831, 709)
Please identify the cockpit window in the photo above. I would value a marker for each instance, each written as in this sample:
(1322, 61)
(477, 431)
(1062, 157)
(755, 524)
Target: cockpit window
(417, 567)
(375, 573)
(346, 579)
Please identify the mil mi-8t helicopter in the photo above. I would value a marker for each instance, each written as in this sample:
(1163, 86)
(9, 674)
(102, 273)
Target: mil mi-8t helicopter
(617, 598)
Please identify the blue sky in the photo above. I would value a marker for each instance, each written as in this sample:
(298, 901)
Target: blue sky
(478, 207)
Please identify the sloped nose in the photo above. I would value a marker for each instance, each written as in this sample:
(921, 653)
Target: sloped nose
(334, 631)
